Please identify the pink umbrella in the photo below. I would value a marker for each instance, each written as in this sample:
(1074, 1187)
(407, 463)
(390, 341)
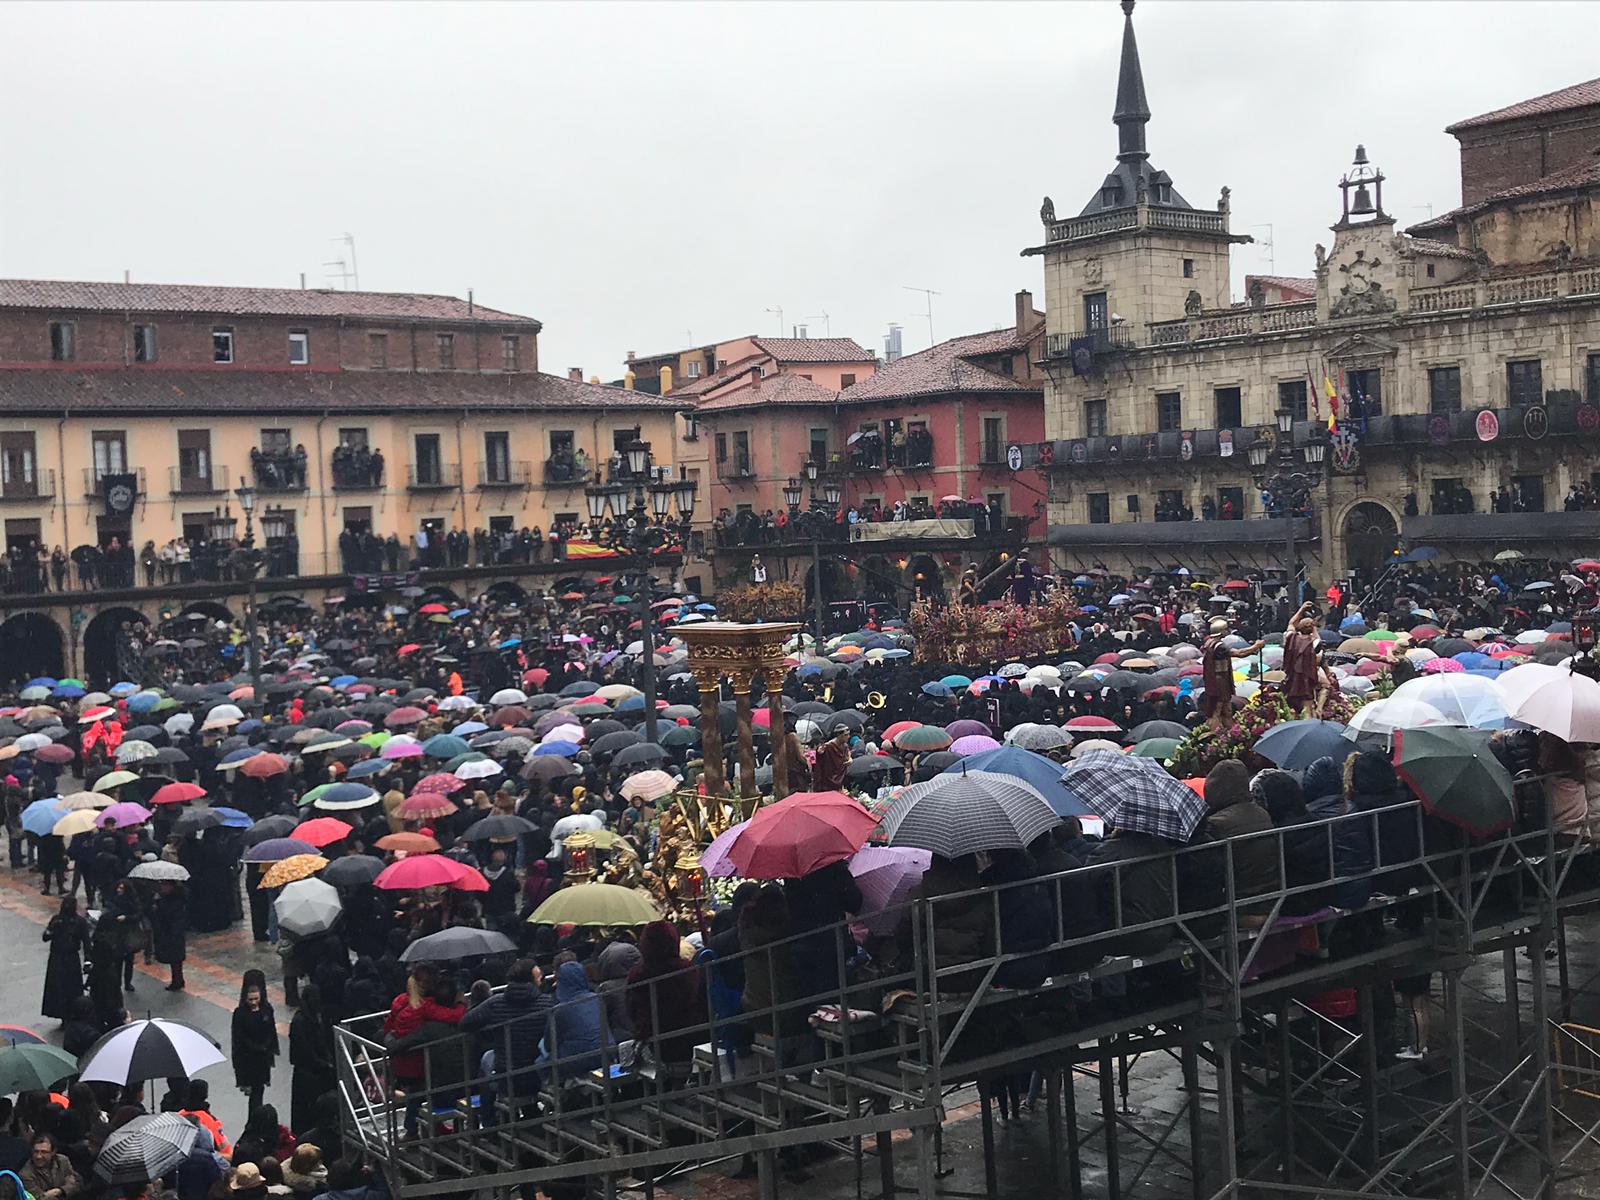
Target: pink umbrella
(799, 834)
(124, 814)
(430, 870)
(401, 750)
(405, 715)
(973, 743)
(886, 875)
(1104, 723)
(1440, 666)
(1371, 666)
(714, 860)
(439, 781)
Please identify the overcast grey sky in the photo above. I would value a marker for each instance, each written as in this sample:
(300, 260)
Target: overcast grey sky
(629, 173)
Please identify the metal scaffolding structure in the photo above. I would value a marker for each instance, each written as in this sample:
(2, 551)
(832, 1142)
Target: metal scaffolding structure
(1279, 1095)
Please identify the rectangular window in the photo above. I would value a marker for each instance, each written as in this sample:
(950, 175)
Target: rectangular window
(1230, 408)
(1532, 498)
(1007, 366)
(1094, 418)
(1366, 392)
(275, 441)
(819, 446)
(562, 442)
(1169, 412)
(692, 368)
(510, 352)
(1230, 504)
(999, 502)
(1591, 380)
(222, 344)
(428, 463)
(196, 526)
(846, 379)
(377, 351)
(1444, 390)
(358, 518)
(63, 341)
(497, 457)
(1096, 312)
(1099, 508)
(194, 459)
(1188, 268)
(1524, 382)
(299, 347)
(110, 449)
(722, 447)
(994, 440)
(741, 453)
(1447, 497)
(1292, 395)
(445, 343)
(1169, 505)
(17, 465)
(353, 436)
(144, 343)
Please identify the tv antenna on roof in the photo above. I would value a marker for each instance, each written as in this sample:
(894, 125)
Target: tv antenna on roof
(826, 328)
(1268, 245)
(928, 294)
(779, 310)
(349, 240)
(341, 272)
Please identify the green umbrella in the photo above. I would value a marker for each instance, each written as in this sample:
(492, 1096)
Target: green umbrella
(596, 904)
(1381, 635)
(34, 1068)
(1161, 748)
(311, 796)
(923, 737)
(1456, 776)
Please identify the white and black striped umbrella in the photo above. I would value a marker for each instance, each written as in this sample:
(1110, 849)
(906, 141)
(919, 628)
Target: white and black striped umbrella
(151, 1049)
(146, 1148)
(962, 813)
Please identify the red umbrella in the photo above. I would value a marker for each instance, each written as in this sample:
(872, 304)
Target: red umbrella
(1236, 583)
(429, 610)
(55, 752)
(177, 793)
(425, 806)
(799, 834)
(264, 766)
(1104, 723)
(322, 831)
(408, 648)
(428, 870)
(411, 843)
(898, 728)
(761, 718)
(535, 676)
(405, 715)
(1587, 565)
(512, 714)
(440, 781)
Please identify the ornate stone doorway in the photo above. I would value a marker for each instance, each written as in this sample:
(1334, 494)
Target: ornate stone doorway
(1370, 537)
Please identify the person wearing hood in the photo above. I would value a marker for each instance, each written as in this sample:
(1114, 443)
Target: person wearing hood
(614, 963)
(1307, 856)
(665, 999)
(1330, 793)
(364, 993)
(575, 1039)
(1231, 813)
(511, 1024)
(1371, 785)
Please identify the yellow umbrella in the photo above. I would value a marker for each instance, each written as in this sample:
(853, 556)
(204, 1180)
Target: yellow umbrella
(287, 870)
(75, 823)
(8, 752)
(113, 779)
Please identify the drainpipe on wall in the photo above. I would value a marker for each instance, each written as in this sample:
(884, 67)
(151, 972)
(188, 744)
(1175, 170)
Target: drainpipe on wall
(461, 468)
(61, 469)
(322, 495)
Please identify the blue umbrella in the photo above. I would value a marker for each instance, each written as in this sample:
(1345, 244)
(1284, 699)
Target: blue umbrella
(232, 818)
(68, 691)
(366, 767)
(460, 612)
(340, 681)
(40, 681)
(1472, 660)
(239, 755)
(1089, 608)
(937, 688)
(249, 725)
(468, 728)
(40, 817)
(1352, 619)
(346, 795)
(1040, 772)
(1422, 554)
(445, 745)
(897, 652)
(510, 643)
(812, 671)
(705, 608)
(1295, 745)
(631, 704)
(123, 689)
(564, 749)
(956, 681)
(143, 702)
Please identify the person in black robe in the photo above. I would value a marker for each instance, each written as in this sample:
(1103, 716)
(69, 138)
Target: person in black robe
(169, 919)
(310, 1058)
(68, 935)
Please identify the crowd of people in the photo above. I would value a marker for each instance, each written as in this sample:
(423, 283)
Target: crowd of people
(746, 527)
(486, 733)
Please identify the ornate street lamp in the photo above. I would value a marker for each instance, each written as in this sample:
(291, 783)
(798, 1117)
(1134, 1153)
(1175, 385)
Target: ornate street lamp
(247, 561)
(791, 492)
(1290, 485)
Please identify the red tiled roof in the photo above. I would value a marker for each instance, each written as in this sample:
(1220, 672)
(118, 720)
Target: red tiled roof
(1579, 95)
(1298, 286)
(138, 389)
(707, 383)
(774, 389)
(1437, 249)
(942, 369)
(242, 301)
(1579, 175)
(815, 350)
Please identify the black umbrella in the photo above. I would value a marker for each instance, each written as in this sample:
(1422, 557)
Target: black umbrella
(268, 828)
(146, 1148)
(460, 941)
(153, 734)
(150, 1049)
(848, 719)
(605, 725)
(931, 764)
(1157, 729)
(871, 764)
(813, 708)
(613, 743)
(547, 767)
(193, 820)
(501, 827)
(171, 755)
(352, 870)
(645, 753)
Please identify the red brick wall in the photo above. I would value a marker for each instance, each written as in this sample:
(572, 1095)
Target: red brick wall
(1498, 157)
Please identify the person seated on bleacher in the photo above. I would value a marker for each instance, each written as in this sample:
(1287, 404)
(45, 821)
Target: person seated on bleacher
(1060, 852)
(771, 979)
(1371, 785)
(1330, 792)
(1231, 813)
(429, 1029)
(1025, 918)
(963, 927)
(574, 1041)
(1143, 885)
(512, 1024)
(1306, 857)
(614, 964)
(819, 904)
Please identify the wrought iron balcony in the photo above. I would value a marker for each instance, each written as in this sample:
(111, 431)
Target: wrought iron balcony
(1095, 341)
(505, 474)
(433, 477)
(32, 485)
(93, 475)
(566, 472)
(214, 482)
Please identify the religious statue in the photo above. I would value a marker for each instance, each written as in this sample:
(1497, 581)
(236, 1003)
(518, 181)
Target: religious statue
(1047, 210)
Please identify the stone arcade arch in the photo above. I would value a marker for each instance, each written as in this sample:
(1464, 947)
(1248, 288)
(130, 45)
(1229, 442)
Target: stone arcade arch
(1370, 533)
(100, 643)
(30, 645)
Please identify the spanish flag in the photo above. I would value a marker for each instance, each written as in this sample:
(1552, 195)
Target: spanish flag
(1333, 402)
(577, 549)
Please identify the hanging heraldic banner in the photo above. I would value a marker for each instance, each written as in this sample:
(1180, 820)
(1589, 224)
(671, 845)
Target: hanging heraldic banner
(120, 492)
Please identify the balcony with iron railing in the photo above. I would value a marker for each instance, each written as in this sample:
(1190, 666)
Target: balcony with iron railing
(213, 482)
(1094, 341)
(736, 468)
(23, 486)
(433, 476)
(1142, 216)
(501, 474)
(278, 471)
(566, 471)
(94, 476)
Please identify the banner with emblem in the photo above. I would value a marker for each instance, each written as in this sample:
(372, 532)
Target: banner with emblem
(121, 492)
(1186, 445)
(1225, 443)
(1486, 425)
(1535, 422)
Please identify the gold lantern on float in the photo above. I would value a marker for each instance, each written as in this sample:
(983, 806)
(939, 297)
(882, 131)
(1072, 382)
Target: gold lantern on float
(579, 851)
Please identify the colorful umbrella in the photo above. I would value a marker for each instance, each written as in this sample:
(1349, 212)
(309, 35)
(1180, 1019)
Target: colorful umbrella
(800, 834)
(291, 869)
(1457, 777)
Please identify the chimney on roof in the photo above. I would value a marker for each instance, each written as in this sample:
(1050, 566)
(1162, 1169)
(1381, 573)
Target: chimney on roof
(575, 374)
(1025, 316)
(800, 331)
(127, 275)
(469, 302)
(302, 281)
(630, 356)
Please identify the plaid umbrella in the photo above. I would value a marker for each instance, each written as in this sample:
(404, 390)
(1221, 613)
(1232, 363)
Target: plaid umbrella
(961, 814)
(1135, 794)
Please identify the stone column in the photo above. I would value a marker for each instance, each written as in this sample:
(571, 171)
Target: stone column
(711, 752)
(777, 726)
(746, 734)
